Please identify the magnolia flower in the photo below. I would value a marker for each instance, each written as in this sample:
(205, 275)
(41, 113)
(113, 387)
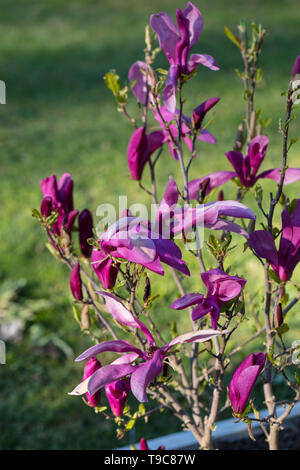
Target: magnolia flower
(75, 282)
(148, 363)
(246, 168)
(220, 289)
(144, 445)
(59, 197)
(132, 239)
(176, 44)
(179, 219)
(90, 368)
(244, 379)
(285, 259)
(166, 116)
(117, 393)
(85, 227)
(140, 148)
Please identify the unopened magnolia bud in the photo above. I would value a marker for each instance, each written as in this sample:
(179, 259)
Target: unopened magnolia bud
(147, 290)
(279, 316)
(203, 189)
(295, 75)
(166, 369)
(75, 282)
(85, 225)
(46, 206)
(85, 321)
(221, 195)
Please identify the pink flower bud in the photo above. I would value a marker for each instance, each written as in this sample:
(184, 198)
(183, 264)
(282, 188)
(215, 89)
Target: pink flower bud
(85, 223)
(92, 366)
(117, 393)
(143, 444)
(75, 282)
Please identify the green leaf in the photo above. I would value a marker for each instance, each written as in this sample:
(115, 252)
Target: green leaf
(232, 37)
(130, 424)
(36, 214)
(112, 81)
(284, 328)
(273, 276)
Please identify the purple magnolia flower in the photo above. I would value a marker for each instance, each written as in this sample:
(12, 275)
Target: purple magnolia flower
(90, 368)
(148, 363)
(165, 116)
(244, 379)
(117, 393)
(144, 445)
(285, 259)
(104, 268)
(85, 226)
(133, 239)
(246, 168)
(140, 148)
(61, 196)
(221, 288)
(75, 282)
(173, 219)
(176, 44)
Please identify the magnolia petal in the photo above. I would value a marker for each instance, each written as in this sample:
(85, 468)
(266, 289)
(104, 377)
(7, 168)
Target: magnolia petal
(264, 246)
(215, 179)
(82, 388)
(194, 337)
(143, 375)
(203, 59)
(187, 301)
(195, 22)
(291, 175)
(118, 346)
(108, 374)
(166, 32)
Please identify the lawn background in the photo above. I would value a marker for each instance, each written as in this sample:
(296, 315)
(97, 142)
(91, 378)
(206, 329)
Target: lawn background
(60, 117)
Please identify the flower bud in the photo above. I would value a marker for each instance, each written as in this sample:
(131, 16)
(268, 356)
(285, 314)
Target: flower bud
(46, 206)
(147, 290)
(278, 320)
(143, 444)
(221, 195)
(85, 321)
(75, 282)
(92, 366)
(295, 75)
(85, 225)
(117, 393)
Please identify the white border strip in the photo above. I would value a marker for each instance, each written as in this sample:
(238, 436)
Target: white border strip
(226, 428)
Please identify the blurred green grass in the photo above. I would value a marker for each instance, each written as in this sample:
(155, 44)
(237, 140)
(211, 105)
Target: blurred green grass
(59, 117)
